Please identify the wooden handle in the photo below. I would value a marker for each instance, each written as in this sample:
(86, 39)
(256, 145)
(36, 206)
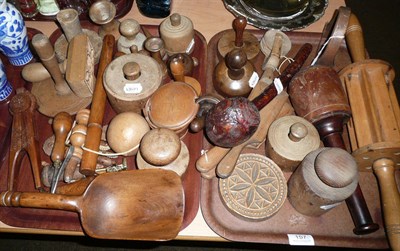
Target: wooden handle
(211, 158)
(45, 51)
(177, 70)
(239, 24)
(89, 159)
(62, 124)
(271, 91)
(273, 60)
(355, 39)
(39, 200)
(384, 171)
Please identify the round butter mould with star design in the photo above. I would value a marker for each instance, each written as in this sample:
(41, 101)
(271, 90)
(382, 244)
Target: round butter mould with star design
(256, 189)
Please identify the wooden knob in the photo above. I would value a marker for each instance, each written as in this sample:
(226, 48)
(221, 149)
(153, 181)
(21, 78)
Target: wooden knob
(177, 70)
(160, 146)
(129, 28)
(82, 117)
(62, 124)
(235, 61)
(187, 61)
(297, 132)
(239, 24)
(131, 70)
(78, 135)
(175, 19)
(336, 167)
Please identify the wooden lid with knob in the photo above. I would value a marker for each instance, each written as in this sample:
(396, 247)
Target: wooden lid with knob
(289, 140)
(130, 35)
(127, 89)
(177, 32)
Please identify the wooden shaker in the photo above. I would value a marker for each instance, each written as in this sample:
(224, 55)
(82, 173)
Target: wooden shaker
(324, 179)
(289, 140)
(178, 34)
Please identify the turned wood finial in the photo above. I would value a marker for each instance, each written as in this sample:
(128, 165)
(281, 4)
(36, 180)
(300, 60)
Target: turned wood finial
(235, 61)
(298, 131)
(129, 28)
(175, 19)
(131, 70)
(239, 24)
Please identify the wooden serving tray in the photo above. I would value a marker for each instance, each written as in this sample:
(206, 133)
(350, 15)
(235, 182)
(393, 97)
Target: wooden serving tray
(335, 228)
(63, 220)
(122, 6)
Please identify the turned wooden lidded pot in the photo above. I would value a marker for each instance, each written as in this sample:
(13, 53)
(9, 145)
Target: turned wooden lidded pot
(289, 140)
(234, 76)
(130, 80)
(325, 178)
(172, 106)
(177, 32)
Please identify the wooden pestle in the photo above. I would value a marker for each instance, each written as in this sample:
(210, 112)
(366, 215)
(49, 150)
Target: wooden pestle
(375, 126)
(45, 51)
(317, 95)
(92, 142)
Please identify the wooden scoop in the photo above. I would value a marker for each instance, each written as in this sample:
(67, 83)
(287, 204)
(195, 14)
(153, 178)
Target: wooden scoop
(130, 205)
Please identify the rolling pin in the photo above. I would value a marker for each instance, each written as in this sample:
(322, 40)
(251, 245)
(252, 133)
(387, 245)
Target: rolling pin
(93, 136)
(375, 125)
(45, 51)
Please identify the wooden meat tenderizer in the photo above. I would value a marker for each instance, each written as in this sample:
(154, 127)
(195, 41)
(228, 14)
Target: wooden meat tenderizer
(24, 138)
(374, 128)
(80, 66)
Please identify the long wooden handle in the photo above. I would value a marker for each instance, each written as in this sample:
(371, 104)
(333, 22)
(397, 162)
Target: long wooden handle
(384, 171)
(39, 200)
(355, 39)
(273, 60)
(45, 51)
(211, 158)
(239, 24)
(93, 137)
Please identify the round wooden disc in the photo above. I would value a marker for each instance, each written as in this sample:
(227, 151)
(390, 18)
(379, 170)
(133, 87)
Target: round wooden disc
(283, 145)
(179, 165)
(256, 189)
(251, 45)
(50, 103)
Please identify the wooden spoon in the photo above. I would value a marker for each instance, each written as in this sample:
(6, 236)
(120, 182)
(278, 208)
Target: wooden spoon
(130, 205)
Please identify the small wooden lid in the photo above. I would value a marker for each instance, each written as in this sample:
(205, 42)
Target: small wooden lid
(256, 188)
(118, 85)
(179, 165)
(160, 146)
(172, 106)
(293, 137)
(336, 167)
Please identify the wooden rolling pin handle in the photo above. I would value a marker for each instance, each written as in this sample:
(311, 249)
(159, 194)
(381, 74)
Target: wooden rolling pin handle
(45, 51)
(228, 163)
(93, 137)
(273, 60)
(62, 124)
(239, 24)
(355, 39)
(385, 172)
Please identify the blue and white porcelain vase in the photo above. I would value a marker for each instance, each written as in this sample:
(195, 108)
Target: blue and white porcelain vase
(5, 86)
(13, 35)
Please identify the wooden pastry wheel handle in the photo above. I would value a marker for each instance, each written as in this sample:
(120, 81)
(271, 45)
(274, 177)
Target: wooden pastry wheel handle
(355, 39)
(384, 171)
(239, 24)
(62, 124)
